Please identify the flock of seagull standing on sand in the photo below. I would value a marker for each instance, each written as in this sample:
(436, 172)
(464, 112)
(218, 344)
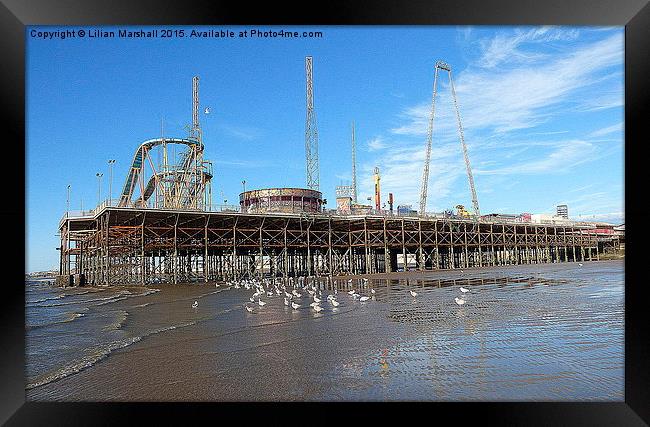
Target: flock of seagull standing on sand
(270, 289)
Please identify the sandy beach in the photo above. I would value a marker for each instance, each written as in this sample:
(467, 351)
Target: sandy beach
(536, 332)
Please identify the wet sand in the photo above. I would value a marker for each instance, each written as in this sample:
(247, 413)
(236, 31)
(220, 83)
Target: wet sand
(553, 332)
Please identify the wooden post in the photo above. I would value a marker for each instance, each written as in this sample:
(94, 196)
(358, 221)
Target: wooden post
(329, 245)
(261, 248)
(387, 266)
(206, 262)
(286, 252)
(406, 263)
(309, 262)
(142, 259)
(108, 249)
(437, 248)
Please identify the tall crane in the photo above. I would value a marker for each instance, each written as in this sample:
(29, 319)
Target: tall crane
(440, 65)
(311, 133)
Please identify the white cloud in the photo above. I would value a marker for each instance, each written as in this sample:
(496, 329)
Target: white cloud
(505, 48)
(376, 144)
(618, 128)
(566, 156)
(241, 132)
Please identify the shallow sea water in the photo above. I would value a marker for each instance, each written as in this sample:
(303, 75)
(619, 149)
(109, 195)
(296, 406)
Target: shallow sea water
(536, 332)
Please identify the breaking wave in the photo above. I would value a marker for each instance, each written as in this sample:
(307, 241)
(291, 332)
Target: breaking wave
(95, 355)
(69, 317)
(119, 321)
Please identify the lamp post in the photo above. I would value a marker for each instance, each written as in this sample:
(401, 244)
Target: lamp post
(243, 183)
(67, 202)
(99, 187)
(110, 180)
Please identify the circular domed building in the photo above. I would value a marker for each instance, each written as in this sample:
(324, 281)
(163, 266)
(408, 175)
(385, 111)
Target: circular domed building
(283, 200)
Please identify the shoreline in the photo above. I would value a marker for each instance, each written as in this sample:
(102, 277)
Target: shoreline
(396, 275)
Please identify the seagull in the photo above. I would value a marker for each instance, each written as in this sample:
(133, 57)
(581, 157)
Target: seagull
(249, 309)
(196, 304)
(313, 304)
(580, 264)
(335, 303)
(252, 299)
(207, 110)
(413, 293)
(261, 303)
(288, 295)
(316, 299)
(295, 306)
(459, 301)
(355, 296)
(286, 302)
(318, 308)
(364, 298)
(351, 292)
(216, 285)
(372, 291)
(463, 290)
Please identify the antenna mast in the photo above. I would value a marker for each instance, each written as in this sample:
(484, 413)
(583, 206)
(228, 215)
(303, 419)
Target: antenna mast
(311, 133)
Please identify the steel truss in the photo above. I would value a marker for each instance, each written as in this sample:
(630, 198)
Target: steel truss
(146, 246)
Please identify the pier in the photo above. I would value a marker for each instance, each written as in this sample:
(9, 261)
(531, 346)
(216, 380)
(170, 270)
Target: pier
(124, 245)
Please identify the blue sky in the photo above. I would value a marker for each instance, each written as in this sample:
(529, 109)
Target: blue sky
(541, 107)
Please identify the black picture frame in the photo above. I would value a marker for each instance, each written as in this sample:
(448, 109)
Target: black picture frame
(16, 14)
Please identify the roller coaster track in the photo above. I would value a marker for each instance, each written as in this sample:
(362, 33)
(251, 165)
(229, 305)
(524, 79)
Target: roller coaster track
(138, 164)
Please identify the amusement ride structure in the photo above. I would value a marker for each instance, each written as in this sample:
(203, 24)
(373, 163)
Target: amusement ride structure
(168, 182)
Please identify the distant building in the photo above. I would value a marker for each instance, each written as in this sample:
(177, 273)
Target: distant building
(507, 217)
(359, 209)
(563, 211)
(406, 210)
(548, 219)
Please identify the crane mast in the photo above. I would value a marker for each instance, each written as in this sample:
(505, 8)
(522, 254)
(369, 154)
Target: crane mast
(470, 177)
(440, 65)
(427, 160)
